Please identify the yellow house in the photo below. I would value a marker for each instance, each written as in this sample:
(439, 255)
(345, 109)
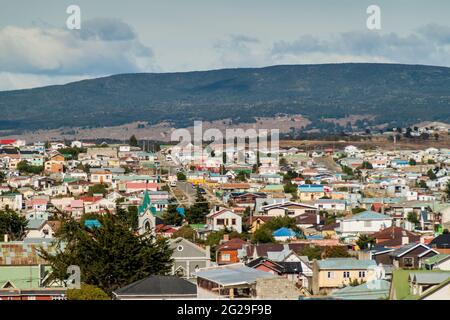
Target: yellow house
(196, 180)
(335, 273)
(257, 222)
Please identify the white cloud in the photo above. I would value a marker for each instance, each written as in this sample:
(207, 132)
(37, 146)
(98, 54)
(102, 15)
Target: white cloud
(427, 45)
(35, 56)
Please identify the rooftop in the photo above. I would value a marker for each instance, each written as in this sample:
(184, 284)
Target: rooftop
(235, 274)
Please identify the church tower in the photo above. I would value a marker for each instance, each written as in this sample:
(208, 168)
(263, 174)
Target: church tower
(147, 217)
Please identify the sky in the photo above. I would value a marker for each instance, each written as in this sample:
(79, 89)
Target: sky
(37, 48)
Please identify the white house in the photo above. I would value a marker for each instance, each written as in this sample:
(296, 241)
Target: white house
(364, 223)
(220, 218)
(330, 204)
(292, 209)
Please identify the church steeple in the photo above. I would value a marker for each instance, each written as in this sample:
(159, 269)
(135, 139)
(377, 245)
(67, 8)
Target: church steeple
(146, 215)
(145, 203)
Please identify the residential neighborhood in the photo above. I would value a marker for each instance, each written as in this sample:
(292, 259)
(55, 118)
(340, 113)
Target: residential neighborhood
(344, 224)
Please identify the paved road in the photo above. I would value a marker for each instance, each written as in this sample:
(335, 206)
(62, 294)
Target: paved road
(328, 163)
(188, 191)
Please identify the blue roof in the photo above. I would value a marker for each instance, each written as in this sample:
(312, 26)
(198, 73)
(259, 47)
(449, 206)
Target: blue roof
(92, 224)
(181, 212)
(285, 232)
(310, 188)
(369, 215)
(315, 237)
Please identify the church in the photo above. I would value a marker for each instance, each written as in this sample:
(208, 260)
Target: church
(147, 216)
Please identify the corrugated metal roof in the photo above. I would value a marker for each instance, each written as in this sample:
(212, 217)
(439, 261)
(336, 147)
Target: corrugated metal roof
(345, 264)
(233, 275)
(369, 215)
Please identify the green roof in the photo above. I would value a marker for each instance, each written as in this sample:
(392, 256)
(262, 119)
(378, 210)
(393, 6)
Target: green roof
(146, 204)
(345, 264)
(375, 290)
(274, 187)
(434, 289)
(436, 259)
(400, 283)
(22, 277)
(197, 226)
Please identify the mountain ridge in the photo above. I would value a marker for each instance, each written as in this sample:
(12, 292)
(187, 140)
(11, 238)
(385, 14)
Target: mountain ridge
(394, 94)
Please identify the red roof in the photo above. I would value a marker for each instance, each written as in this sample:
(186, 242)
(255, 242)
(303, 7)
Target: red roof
(141, 185)
(161, 228)
(7, 141)
(90, 199)
(232, 244)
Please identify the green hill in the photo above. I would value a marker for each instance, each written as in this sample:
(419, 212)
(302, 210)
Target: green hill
(393, 94)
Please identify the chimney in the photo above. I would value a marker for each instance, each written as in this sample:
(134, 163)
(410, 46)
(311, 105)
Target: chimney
(5, 238)
(217, 208)
(405, 238)
(317, 218)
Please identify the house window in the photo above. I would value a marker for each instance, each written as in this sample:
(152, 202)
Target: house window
(408, 262)
(330, 274)
(225, 257)
(220, 222)
(346, 274)
(291, 213)
(362, 274)
(233, 222)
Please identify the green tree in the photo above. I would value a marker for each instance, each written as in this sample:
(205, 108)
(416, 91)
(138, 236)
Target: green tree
(412, 162)
(242, 176)
(335, 252)
(12, 224)
(133, 141)
(128, 216)
(98, 189)
(181, 176)
(431, 174)
(74, 152)
(185, 232)
(263, 235)
(422, 184)
(364, 241)
(172, 217)
(281, 222)
(366, 165)
(110, 256)
(312, 252)
(25, 168)
(347, 170)
(197, 212)
(412, 217)
(289, 187)
(447, 190)
(2, 177)
(87, 292)
(358, 210)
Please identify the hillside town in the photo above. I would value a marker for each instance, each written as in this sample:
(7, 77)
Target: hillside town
(326, 223)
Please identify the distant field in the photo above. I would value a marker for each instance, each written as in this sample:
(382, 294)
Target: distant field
(382, 142)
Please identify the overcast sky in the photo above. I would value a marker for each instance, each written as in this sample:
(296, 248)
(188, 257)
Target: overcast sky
(37, 49)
